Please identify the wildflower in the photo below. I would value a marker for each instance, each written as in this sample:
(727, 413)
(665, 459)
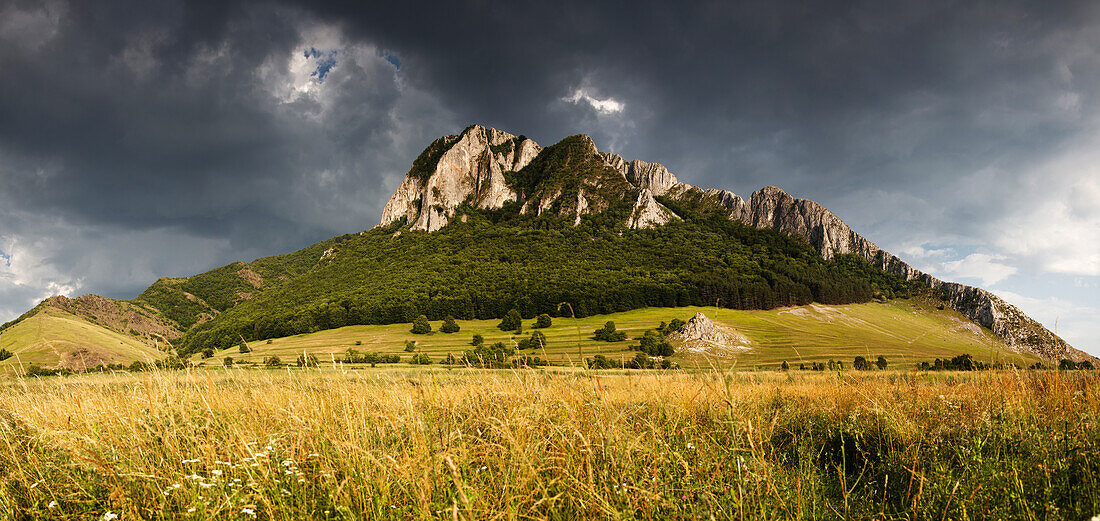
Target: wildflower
(109, 516)
(192, 509)
(313, 455)
(691, 445)
(248, 511)
(196, 460)
(52, 505)
(216, 472)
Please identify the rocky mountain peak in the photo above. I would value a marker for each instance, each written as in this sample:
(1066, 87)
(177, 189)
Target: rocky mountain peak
(572, 178)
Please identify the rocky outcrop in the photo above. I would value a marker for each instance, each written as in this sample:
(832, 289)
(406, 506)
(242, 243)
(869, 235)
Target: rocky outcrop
(700, 334)
(647, 212)
(470, 167)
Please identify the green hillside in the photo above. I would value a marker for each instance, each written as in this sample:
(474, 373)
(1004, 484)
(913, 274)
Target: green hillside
(905, 331)
(497, 260)
(55, 338)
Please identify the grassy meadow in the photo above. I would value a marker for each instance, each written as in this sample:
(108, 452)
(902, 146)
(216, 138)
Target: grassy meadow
(905, 331)
(54, 337)
(559, 444)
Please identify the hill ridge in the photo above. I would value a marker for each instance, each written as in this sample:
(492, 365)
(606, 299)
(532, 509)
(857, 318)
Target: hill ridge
(769, 207)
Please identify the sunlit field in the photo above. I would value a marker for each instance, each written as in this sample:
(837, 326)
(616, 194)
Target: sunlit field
(476, 444)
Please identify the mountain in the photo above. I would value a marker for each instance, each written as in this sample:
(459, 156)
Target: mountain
(486, 221)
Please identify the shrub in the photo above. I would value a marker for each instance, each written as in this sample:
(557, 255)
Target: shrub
(861, 364)
(421, 326)
(207, 353)
(243, 347)
(653, 343)
(543, 321)
(421, 359)
(496, 355)
(306, 360)
(511, 322)
(785, 366)
(477, 340)
(272, 361)
(1067, 364)
(227, 361)
(358, 342)
(881, 362)
(449, 325)
(410, 346)
(5, 354)
(608, 333)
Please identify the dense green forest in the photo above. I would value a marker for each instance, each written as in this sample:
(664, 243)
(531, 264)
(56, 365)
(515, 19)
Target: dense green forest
(499, 260)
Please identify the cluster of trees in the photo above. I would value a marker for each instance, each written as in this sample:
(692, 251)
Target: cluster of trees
(421, 326)
(832, 365)
(536, 341)
(1066, 364)
(4, 354)
(481, 270)
(493, 356)
(640, 361)
(862, 364)
(353, 356)
(607, 333)
(654, 343)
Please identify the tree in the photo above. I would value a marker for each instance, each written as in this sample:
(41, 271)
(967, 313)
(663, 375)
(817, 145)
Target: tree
(881, 362)
(608, 333)
(227, 361)
(538, 340)
(477, 340)
(207, 353)
(272, 361)
(511, 322)
(421, 326)
(243, 347)
(421, 359)
(1085, 365)
(861, 364)
(5, 354)
(449, 325)
(1067, 364)
(410, 346)
(785, 366)
(543, 321)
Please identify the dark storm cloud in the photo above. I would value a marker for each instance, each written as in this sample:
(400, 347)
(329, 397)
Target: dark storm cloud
(148, 138)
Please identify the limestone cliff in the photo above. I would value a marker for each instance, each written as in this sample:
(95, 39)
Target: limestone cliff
(468, 166)
(572, 178)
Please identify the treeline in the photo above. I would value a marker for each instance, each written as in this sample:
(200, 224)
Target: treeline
(481, 270)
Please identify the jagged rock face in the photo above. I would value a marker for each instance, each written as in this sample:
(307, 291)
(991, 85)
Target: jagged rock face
(471, 166)
(573, 178)
(647, 212)
(701, 334)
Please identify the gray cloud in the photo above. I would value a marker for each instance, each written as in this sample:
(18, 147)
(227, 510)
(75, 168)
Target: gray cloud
(149, 124)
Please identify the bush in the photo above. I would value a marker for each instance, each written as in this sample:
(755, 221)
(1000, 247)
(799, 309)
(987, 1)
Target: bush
(306, 360)
(5, 354)
(410, 346)
(227, 361)
(511, 322)
(785, 366)
(608, 333)
(493, 356)
(421, 326)
(421, 359)
(881, 362)
(358, 342)
(543, 321)
(243, 347)
(449, 325)
(861, 364)
(272, 361)
(537, 341)
(207, 353)
(477, 340)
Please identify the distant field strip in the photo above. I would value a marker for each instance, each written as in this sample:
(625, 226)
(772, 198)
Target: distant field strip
(904, 331)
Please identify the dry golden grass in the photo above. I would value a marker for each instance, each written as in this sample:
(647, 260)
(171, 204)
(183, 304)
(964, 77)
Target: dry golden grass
(461, 444)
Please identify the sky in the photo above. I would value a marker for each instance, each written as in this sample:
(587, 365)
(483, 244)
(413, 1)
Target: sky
(146, 139)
